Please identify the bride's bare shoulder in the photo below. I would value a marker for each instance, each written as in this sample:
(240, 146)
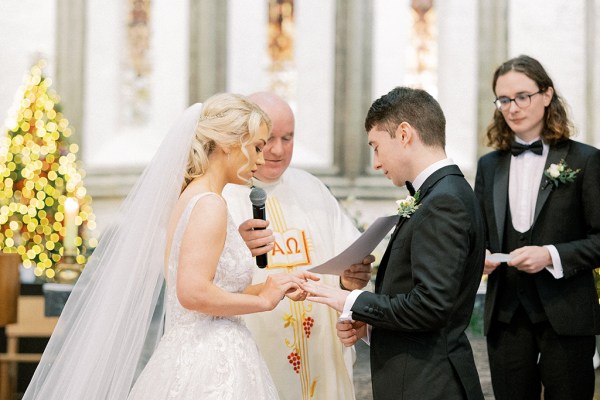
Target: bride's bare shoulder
(209, 213)
(207, 205)
(203, 200)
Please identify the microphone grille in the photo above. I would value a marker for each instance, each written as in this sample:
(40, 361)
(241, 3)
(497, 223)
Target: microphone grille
(258, 196)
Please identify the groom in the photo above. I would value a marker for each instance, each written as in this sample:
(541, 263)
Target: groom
(430, 272)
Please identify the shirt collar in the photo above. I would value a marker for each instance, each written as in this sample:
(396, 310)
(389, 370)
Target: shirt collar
(519, 140)
(426, 173)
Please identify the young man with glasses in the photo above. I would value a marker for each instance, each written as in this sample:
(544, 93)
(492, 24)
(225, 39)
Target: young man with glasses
(538, 192)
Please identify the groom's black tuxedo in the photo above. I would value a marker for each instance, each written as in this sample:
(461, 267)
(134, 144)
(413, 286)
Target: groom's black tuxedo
(566, 216)
(424, 294)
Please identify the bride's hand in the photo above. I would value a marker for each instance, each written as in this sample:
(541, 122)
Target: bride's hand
(307, 275)
(277, 286)
(334, 297)
(296, 294)
(299, 294)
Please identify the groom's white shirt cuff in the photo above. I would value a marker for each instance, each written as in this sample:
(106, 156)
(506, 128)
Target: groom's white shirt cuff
(350, 300)
(347, 312)
(556, 269)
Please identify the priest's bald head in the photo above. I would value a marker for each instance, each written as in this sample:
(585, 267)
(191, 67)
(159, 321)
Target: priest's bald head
(280, 146)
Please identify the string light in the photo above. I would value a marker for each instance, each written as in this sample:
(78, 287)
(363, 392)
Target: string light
(39, 171)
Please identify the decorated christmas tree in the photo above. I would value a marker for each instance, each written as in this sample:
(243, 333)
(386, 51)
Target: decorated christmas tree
(45, 212)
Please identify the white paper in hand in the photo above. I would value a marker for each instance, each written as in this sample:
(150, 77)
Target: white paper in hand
(499, 257)
(362, 247)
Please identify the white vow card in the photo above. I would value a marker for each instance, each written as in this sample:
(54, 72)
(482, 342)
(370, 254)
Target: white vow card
(499, 257)
(362, 247)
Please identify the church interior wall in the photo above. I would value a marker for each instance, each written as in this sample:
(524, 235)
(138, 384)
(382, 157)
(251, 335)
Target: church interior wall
(457, 80)
(247, 57)
(26, 31)
(311, 80)
(315, 81)
(556, 37)
(115, 132)
(562, 34)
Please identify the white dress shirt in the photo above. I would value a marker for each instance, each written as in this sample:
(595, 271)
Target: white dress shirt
(525, 175)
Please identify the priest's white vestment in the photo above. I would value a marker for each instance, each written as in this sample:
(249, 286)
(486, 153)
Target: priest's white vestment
(298, 339)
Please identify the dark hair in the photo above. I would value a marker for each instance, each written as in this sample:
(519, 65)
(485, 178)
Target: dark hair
(415, 106)
(557, 126)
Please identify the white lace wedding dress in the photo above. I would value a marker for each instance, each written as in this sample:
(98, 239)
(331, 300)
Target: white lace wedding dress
(202, 356)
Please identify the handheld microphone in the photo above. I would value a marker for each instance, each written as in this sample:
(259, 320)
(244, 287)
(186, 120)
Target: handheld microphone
(258, 197)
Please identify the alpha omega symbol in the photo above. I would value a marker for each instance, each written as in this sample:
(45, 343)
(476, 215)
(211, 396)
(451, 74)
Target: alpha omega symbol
(290, 249)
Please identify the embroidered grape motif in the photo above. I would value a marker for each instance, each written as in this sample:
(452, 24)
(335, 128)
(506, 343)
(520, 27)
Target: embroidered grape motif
(294, 359)
(308, 324)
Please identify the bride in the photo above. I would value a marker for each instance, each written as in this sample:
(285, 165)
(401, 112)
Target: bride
(173, 224)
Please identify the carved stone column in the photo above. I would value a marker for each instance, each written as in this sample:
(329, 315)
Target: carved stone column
(208, 48)
(592, 45)
(493, 50)
(70, 62)
(353, 55)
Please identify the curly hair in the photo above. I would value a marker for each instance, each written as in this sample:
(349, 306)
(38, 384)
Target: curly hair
(226, 120)
(557, 125)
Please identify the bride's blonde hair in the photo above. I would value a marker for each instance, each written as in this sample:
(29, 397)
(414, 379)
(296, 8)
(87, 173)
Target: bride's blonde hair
(226, 120)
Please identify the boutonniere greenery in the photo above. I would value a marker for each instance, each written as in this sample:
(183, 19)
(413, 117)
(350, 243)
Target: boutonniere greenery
(409, 205)
(560, 173)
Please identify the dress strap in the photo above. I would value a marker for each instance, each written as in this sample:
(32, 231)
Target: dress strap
(183, 221)
(185, 215)
(192, 202)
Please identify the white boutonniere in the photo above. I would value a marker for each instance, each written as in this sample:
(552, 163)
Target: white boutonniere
(409, 205)
(560, 173)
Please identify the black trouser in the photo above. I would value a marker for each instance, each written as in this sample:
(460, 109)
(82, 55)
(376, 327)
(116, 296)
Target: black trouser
(524, 356)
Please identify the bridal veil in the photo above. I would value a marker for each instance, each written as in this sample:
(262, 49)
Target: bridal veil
(114, 315)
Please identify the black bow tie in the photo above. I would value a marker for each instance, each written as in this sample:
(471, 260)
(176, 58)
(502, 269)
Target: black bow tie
(535, 147)
(410, 188)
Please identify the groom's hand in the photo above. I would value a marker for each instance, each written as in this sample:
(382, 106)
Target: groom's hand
(358, 275)
(332, 296)
(350, 331)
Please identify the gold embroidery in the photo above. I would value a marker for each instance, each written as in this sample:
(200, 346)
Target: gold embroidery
(288, 320)
(293, 249)
(298, 357)
(312, 388)
(290, 249)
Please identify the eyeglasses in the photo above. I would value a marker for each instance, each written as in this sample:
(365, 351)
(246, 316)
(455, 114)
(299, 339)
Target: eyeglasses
(522, 100)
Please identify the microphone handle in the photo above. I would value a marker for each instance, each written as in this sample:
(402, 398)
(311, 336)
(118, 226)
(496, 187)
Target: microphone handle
(258, 212)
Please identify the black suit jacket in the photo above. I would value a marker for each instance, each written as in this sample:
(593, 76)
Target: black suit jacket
(424, 294)
(566, 216)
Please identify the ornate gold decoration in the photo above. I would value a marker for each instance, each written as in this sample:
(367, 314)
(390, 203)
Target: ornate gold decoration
(423, 60)
(281, 47)
(136, 85)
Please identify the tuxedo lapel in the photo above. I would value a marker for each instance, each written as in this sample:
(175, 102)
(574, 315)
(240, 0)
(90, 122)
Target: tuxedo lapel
(423, 190)
(382, 268)
(386, 256)
(555, 154)
(435, 178)
(500, 194)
